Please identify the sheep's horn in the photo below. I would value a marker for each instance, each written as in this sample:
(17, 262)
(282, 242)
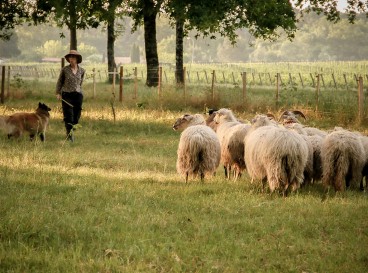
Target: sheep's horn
(284, 113)
(297, 112)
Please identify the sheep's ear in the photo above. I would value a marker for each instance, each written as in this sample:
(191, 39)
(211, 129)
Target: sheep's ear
(300, 113)
(187, 117)
(270, 116)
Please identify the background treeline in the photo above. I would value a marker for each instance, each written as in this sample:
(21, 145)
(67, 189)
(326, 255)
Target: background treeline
(316, 40)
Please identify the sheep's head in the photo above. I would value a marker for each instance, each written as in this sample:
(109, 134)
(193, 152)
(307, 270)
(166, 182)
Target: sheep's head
(224, 115)
(288, 117)
(188, 120)
(263, 120)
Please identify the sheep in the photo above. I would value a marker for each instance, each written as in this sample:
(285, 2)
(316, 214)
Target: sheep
(210, 119)
(343, 159)
(231, 134)
(232, 149)
(188, 120)
(199, 147)
(313, 170)
(289, 119)
(316, 141)
(364, 140)
(276, 154)
(291, 115)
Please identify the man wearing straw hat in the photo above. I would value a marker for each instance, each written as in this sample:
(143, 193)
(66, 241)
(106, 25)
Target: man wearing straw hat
(69, 91)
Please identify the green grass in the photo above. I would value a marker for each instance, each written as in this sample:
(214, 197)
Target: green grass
(113, 202)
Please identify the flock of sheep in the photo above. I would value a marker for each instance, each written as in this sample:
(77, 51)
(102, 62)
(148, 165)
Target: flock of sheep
(282, 152)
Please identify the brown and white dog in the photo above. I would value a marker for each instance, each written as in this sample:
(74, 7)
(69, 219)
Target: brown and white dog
(33, 123)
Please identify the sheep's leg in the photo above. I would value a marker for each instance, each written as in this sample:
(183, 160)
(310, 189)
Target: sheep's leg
(228, 171)
(264, 183)
(186, 177)
(361, 186)
(42, 137)
(202, 177)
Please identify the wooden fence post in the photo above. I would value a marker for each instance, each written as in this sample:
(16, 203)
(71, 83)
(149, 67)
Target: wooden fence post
(2, 97)
(301, 79)
(135, 83)
(333, 78)
(213, 85)
(8, 86)
(185, 85)
(159, 81)
(317, 91)
(94, 82)
(121, 87)
(346, 82)
(244, 80)
(277, 89)
(360, 99)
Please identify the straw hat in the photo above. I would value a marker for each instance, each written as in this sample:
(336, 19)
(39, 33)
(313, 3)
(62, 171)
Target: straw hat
(74, 53)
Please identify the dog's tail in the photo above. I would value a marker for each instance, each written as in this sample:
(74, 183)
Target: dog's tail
(2, 123)
(4, 126)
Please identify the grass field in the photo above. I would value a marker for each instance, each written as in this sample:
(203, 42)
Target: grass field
(113, 202)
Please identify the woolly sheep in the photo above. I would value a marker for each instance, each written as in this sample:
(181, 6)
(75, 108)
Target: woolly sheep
(313, 170)
(188, 120)
(343, 159)
(225, 120)
(276, 154)
(232, 149)
(199, 148)
(364, 140)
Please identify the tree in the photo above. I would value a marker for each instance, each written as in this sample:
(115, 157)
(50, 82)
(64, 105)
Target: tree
(263, 19)
(146, 11)
(107, 12)
(12, 13)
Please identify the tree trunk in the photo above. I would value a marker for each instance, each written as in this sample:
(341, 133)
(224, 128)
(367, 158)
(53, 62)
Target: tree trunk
(73, 37)
(110, 47)
(179, 52)
(73, 28)
(151, 48)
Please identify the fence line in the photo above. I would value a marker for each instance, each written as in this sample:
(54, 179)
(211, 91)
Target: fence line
(244, 80)
(262, 79)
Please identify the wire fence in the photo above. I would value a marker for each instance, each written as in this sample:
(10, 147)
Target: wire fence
(243, 79)
(221, 77)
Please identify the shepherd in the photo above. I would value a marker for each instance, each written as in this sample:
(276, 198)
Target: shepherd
(69, 91)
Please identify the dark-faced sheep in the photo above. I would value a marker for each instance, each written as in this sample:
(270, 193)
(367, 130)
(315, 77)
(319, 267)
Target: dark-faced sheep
(199, 148)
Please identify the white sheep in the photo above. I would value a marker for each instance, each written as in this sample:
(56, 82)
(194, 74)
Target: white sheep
(276, 154)
(199, 147)
(313, 170)
(232, 149)
(231, 134)
(343, 159)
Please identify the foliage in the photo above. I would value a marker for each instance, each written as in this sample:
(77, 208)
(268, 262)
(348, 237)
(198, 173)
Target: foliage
(52, 48)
